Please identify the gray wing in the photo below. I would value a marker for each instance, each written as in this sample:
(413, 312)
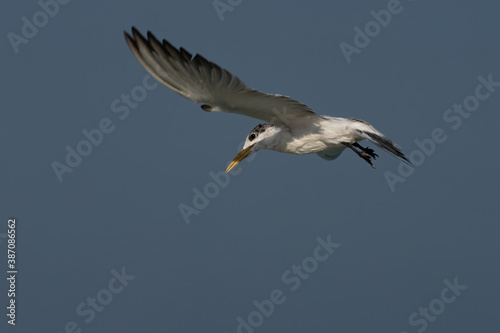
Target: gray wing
(212, 86)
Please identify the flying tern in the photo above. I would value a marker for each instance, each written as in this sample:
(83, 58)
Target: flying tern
(291, 127)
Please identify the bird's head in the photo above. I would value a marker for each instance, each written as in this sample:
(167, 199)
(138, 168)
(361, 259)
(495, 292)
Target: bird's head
(261, 137)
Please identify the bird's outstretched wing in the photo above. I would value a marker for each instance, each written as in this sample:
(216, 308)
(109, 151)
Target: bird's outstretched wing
(212, 86)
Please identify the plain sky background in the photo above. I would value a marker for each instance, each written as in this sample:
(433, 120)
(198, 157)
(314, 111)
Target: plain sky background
(120, 206)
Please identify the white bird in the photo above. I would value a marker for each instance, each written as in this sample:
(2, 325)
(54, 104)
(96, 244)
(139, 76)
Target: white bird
(292, 127)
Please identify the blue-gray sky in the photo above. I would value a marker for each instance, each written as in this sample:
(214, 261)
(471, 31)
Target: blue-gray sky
(401, 238)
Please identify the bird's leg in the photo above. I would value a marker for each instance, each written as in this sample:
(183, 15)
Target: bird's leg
(366, 150)
(361, 154)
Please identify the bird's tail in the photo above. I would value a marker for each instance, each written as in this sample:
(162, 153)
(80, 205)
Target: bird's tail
(386, 144)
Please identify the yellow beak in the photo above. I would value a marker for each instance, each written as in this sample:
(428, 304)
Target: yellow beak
(240, 157)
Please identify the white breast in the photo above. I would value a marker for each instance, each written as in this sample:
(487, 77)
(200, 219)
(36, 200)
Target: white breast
(329, 133)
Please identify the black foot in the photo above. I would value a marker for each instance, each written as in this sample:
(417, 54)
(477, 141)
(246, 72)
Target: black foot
(367, 150)
(370, 152)
(367, 158)
(366, 153)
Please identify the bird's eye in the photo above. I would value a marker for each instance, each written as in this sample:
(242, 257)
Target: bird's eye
(251, 137)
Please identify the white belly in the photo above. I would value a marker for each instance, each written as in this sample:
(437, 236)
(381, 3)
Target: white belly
(329, 134)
